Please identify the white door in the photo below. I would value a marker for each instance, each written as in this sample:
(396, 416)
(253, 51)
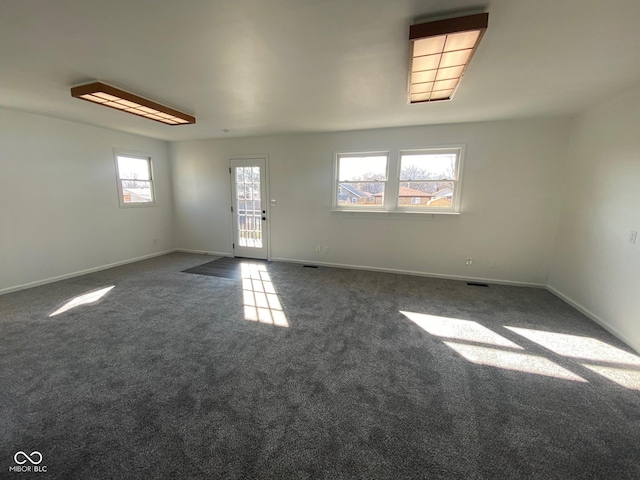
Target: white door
(249, 207)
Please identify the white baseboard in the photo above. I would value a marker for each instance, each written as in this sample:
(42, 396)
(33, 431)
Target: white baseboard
(592, 316)
(204, 252)
(551, 289)
(82, 272)
(411, 272)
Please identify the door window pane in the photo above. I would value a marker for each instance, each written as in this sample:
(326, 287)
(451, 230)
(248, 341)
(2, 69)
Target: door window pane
(248, 204)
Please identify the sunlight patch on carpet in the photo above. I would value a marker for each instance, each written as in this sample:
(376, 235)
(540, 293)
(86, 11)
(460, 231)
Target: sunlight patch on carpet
(625, 377)
(482, 346)
(573, 346)
(518, 362)
(458, 329)
(84, 299)
(611, 362)
(259, 297)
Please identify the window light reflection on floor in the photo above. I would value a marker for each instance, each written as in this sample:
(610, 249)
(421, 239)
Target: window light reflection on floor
(573, 346)
(485, 347)
(614, 363)
(259, 297)
(624, 377)
(458, 329)
(519, 362)
(84, 299)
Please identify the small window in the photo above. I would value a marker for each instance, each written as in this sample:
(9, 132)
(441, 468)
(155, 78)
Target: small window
(135, 180)
(429, 179)
(361, 180)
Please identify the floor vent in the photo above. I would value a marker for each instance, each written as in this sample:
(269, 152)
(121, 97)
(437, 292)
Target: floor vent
(474, 284)
(310, 266)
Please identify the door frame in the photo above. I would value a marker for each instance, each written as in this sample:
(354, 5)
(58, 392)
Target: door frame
(266, 230)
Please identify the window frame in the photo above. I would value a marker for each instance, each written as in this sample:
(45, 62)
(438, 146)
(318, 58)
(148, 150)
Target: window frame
(336, 181)
(391, 201)
(117, 152)
(455, 199)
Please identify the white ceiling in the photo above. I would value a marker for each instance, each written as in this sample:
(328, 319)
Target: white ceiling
(258, 67)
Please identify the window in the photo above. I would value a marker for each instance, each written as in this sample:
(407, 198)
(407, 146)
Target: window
(429, 179)
(425, 180)
(361, 180)
(135, 180)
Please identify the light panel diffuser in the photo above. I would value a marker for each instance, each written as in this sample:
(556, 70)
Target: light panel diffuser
(440, 54)
(112, 97)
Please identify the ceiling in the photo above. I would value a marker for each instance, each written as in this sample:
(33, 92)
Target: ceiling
(256, 67)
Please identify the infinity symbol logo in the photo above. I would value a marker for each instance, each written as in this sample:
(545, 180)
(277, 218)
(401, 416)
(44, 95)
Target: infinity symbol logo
(27, 457)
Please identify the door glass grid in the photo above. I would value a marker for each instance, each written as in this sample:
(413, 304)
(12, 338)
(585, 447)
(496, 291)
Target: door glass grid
(249, 206)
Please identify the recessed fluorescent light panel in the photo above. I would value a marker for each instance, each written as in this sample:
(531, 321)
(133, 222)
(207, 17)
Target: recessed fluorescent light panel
(112, 97)
(441, 52)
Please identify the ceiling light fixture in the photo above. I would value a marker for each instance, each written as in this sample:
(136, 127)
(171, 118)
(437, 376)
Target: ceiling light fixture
(112, 97)
(441, 51)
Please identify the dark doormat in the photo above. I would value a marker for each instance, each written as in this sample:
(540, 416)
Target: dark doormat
(224, 267)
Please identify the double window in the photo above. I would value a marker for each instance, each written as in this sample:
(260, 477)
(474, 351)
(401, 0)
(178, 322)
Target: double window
(135, 179)
(424, 180)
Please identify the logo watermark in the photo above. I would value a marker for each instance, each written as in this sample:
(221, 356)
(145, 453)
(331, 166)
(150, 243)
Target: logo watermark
(28, 463)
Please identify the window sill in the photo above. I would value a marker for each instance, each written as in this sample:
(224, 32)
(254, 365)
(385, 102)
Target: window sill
(139, 205)
(392, 213)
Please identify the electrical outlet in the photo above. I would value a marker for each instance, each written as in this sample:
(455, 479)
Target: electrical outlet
(325, 250)
(318, 249)
(633, 236)
(469, 261)
(491, 263)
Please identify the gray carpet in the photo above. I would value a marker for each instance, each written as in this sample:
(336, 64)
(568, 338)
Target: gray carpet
(163, 377)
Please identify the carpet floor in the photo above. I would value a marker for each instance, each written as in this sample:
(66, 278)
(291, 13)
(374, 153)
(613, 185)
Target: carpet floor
(146, 372)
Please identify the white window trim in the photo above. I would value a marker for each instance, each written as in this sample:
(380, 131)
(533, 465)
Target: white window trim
(457, 184)
(391, 205)
(336, 181)
(117, 152)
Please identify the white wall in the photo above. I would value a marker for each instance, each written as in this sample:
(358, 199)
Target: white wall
(594, 266)
(59, 209)
(510, 200)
